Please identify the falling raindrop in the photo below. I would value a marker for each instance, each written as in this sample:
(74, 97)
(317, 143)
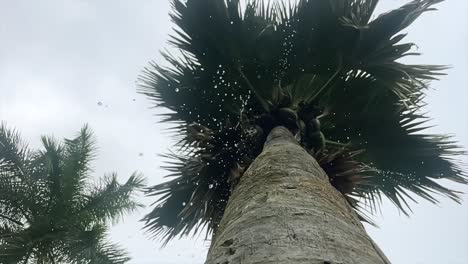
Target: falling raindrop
(210, 186)
(177, 90)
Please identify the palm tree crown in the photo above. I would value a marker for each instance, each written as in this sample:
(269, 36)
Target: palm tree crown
(49, 210)
(322, 68)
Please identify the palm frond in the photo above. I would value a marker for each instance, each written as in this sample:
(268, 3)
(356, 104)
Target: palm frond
(15, 159)
(78, 153)
(180, 201)
(91, 246)
(49, 212)
(379, 48)
(326, 60)
(14, 250)
(14, 153)
(202, 179)
(111, 200)
(392, 136)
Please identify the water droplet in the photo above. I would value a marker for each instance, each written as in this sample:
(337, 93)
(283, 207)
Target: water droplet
(210, 186)
(177, 90)
(99, 103)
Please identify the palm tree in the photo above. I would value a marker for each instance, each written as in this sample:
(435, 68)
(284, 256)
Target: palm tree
(50, 212)
(294, 121)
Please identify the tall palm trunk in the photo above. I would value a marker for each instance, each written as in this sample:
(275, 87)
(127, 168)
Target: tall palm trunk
(284, 210)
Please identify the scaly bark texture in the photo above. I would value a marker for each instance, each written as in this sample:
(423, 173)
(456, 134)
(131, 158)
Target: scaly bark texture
(284, 210)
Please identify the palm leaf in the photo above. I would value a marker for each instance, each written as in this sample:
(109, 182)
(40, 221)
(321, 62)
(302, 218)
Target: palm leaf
(78, 152)
(91, 246)
(49, 212)
(235, 68)
(111, 200)
(14, 166)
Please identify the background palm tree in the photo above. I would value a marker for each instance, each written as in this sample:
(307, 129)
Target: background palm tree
(50, 212)
(322, 68)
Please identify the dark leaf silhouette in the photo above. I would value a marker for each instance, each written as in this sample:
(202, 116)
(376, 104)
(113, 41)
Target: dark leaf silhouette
(322, 68)
(49, 210)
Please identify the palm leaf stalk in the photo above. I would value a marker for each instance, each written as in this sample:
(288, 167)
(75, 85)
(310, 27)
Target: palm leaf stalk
(325, 70)
(49, 210)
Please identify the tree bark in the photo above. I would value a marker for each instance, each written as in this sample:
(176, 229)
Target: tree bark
(284, 210)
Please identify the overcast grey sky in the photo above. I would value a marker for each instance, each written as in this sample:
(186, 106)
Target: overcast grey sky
(59, 58)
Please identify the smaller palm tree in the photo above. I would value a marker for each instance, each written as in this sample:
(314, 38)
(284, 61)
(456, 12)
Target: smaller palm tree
(49, 210)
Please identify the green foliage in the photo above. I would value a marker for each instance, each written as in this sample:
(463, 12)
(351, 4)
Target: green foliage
(237, 66)
(49, 210)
